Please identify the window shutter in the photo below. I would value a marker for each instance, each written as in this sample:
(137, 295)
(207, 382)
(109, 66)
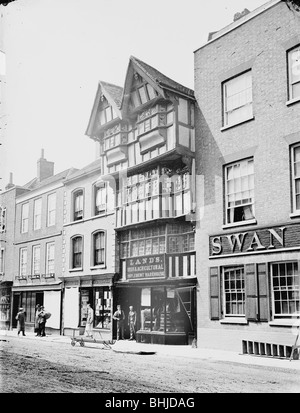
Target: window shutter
(263, 289)
(251, 292)
(214, 293)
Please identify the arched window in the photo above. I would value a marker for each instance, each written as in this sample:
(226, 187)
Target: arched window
(99, 248)
(78, 205)
(77, 251)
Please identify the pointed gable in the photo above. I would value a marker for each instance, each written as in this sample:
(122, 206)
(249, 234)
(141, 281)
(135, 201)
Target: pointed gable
(144, 83)
(107, 106)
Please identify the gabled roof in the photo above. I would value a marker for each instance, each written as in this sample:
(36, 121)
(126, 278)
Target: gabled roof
(160, 79)
(113, 94)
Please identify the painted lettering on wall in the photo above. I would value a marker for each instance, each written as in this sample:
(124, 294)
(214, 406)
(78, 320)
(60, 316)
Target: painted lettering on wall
(266, 239)
(145, 267)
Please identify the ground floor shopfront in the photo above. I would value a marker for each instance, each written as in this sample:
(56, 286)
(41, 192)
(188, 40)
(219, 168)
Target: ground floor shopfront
(96, 290)
(29, 296)
(253, 289)
(5, 304)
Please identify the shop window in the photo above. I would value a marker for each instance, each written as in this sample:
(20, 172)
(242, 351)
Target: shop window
(28, 301)
(237, 99)
(162, 310)
(99, 248)
(294, 73)
(285, 288)
(51, 210)
(234, 291)
(102, 307)
(239, 191)
(24, 218)
(78, 205)
(77, 250)
(295, 155)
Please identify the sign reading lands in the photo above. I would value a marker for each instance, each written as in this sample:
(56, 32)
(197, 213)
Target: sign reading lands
(152, 266)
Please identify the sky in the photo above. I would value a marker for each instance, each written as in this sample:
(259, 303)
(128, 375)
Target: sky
(58, 50)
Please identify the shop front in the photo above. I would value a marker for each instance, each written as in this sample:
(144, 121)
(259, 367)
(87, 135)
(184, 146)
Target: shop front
(162, 290)
(28, 297)
(5, 304)
(94, 290)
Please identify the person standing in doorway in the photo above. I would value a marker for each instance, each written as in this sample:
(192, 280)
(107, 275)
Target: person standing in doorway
(89, 321)
(119, 315)
(36, 324)
(132, 322)
(21, 316)
(41, 322)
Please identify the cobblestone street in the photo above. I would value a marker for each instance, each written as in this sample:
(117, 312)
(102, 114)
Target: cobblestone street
(36, 365)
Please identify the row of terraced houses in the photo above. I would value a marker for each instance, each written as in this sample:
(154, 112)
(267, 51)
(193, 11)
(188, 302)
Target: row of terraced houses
(190, 211)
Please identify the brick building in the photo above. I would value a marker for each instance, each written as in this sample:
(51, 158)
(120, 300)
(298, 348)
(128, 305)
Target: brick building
(247, 87)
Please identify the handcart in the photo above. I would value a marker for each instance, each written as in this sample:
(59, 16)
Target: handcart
(96, 339)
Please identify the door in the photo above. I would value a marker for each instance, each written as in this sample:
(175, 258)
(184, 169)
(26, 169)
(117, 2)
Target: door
(16, 305)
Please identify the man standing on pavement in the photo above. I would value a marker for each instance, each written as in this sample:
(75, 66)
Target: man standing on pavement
(132, 322)
(119, 315)
(21, 321)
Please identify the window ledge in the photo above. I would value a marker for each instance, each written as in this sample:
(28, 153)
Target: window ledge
(241, 223)
(237, 124)
(234, 320)
(75, 269)
(98, 267)
(295, 214)
(292, 101)
(288, 322)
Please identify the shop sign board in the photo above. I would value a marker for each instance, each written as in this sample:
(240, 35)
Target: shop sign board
(262, 240)
(145, 267)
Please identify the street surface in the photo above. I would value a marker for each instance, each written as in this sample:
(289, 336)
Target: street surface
(35, 365)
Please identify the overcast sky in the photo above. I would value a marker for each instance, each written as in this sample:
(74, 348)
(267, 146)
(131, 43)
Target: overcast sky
(58, 50)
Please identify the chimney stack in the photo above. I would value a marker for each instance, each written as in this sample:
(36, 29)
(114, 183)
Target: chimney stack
(45, 168)
(238, 15)
(10, 183)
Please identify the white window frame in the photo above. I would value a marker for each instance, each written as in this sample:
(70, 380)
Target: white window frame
(78, 195)
(51, 209)
(2, 219)
(100, 193)
(294, 71)
(102, 248)
(73, 239)
(24, 217)
(23, 262)
(239, 103)
(295, 178)
(233, 291)
(36, 260)
(50, 259)
(37, 214)
(233, 187)
(1, 260)
(285, 290)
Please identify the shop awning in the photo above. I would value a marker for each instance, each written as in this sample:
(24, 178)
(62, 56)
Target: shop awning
(38, 287)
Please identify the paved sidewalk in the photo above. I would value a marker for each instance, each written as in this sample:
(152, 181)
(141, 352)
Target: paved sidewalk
(126, 346)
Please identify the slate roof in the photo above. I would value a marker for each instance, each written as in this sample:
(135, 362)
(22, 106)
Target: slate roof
(35, 183)
(160, 78)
